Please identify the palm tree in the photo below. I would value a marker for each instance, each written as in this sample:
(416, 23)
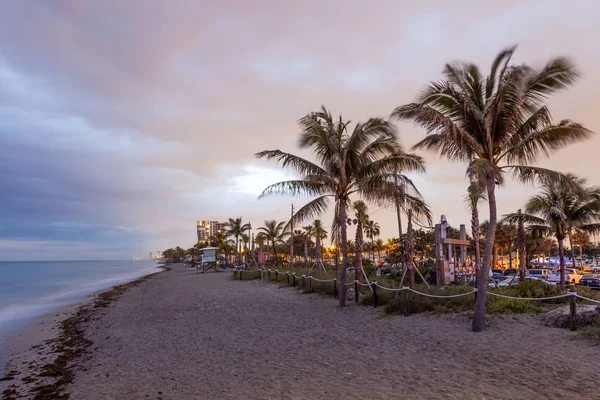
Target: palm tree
(558, 209)
(260, 240)
(360, 219)
(372, 230)
(274, 233)
(495, 124)
(581, 239)
(360, 162)
(416, 211)
(236, 228)
(309, 232)
(518, 219)
(379, 246)
(475, 195)
(320, 234)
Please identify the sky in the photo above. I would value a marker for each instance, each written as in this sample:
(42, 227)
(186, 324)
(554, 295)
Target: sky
(122, 123)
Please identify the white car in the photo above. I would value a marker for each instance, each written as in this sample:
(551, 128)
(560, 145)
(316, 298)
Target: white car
(571, 276)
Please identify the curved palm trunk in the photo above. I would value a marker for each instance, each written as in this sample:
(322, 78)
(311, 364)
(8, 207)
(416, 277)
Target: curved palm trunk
(561, 255)
(484, 273)
(358, 251)
(580, 254)
(344, 244)
(410, 249)
(475, 233)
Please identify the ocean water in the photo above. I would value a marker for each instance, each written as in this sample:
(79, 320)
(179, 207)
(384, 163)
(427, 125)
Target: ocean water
(29, 290)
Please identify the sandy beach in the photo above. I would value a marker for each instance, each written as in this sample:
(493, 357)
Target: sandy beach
(184, 335)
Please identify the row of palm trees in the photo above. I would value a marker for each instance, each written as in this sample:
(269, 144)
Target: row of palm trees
(274, 233)
(495, 125)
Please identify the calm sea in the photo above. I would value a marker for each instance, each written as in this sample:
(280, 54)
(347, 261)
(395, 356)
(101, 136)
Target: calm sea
(28, 290)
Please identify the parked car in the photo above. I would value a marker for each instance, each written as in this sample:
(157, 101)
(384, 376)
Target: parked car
(571, 276)
(591, 280)
(541, 273)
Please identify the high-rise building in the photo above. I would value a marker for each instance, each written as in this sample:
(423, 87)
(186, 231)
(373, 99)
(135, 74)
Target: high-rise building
(206, 229)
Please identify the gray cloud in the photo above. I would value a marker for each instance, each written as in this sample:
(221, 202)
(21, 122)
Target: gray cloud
(121, 123)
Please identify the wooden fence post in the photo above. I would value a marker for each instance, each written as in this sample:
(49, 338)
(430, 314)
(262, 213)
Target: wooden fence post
(288, 279)
(405, 298)
(240, 274)
(276, 277)
(303, 283)
(310, 284)
(374, 286)
(334, 287)
(355, 291)
(293, 280)
(269, 275)
(573, 308)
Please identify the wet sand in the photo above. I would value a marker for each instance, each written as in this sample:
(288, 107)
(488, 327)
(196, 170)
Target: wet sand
(184, 335)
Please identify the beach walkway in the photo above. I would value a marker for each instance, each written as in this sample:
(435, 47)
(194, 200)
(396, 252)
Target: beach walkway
(183, 335)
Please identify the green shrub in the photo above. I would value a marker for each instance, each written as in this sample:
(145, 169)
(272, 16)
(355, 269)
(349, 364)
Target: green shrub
(418, 303)
(509, 306)
(592, 331)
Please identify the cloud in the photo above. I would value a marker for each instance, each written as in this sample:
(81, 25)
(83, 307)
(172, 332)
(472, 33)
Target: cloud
(122, 123)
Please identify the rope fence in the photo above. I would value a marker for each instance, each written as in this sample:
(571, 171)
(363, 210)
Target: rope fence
(374, 285)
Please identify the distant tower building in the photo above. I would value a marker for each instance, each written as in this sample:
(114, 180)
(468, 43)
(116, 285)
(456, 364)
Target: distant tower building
(206, 229)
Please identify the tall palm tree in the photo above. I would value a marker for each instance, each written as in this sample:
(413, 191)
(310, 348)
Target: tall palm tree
(475, 195)
(415, 212)
(309, 233)
(581, 239)
(361, 217)
(495, 124)
(274, 233)
(319, 234)
(379, 246)
(358, 162)
(260, 240)
(517, 233)
(372, 230)
(234, 227)
(558, 209)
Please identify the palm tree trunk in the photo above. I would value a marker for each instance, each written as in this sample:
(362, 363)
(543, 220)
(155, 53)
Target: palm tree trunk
(521, 248)
(561, 255)
(306, 251)
(410, 249)
(344, 245)
(509, 256)
(358, 244)
(580, 254)
(475, 233)
(572, 249)
(484, 273)
(275, 252)
(318, 250)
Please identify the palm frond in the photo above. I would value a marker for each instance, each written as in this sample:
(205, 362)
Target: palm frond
(294, 188)
(545, 141)
(287, 160)
(310, 210)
